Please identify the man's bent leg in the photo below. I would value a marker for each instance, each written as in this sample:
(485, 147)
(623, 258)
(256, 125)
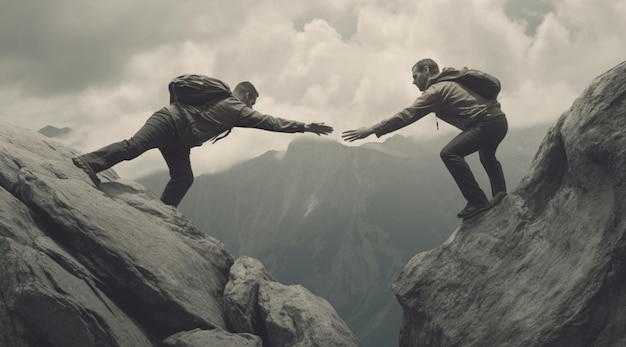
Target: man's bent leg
(453, 156)
(181, 175)
(108, 156)
(487, 155)
(494, 171)
(157, 131)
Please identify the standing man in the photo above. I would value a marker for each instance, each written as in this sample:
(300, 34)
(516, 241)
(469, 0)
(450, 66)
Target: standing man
(482, 123)
(176, 128)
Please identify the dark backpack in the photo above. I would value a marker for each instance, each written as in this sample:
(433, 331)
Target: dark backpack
(197, 90)
(476, 80)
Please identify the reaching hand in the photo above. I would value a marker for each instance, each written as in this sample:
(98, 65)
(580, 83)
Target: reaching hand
(357, 134)
(318, 128)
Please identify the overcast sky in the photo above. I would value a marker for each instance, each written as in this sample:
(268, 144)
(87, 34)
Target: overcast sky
(102, 67)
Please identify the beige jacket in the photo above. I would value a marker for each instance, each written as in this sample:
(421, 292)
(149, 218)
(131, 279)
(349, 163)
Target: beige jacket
(450, 101)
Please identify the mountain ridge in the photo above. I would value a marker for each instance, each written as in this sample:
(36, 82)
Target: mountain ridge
(355, 213)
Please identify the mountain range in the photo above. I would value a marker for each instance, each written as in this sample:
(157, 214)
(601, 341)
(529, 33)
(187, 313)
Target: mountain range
(343, 220)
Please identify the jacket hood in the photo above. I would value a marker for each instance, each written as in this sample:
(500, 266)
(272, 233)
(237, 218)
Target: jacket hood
(446, 74)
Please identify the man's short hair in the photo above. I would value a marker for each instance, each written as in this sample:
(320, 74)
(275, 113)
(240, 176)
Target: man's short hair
(427, 62)
(246, 87)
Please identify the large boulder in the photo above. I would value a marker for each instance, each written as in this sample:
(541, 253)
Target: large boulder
(45, 290)
(546, 267)
(241, 302)
(286, 316)
(76, 249)
(213, 338)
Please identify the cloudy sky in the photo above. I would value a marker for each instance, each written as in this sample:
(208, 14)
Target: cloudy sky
(102, 67)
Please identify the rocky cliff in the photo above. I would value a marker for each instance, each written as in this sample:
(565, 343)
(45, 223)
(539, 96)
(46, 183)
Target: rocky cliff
(113, 266)
(547, 267)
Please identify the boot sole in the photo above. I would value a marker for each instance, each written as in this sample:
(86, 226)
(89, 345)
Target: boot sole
(477, 211)
(81, 164)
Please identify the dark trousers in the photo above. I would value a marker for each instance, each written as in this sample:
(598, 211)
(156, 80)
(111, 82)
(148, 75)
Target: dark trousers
(484, 138)
(158, 132)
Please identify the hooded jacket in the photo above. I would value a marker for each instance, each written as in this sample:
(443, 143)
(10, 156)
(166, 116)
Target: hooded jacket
(198, 124)
(451, 100)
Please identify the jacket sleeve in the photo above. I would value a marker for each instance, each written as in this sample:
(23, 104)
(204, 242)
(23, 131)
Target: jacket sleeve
(428, 102)
(250, 118)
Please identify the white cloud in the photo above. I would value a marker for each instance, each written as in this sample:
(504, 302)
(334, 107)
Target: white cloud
(346, 63)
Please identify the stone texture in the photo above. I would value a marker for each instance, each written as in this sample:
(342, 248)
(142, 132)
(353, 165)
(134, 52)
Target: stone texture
(75, 250)
(295, 317)
(282, 315)
(213, 338)
(546, 266)
(241, 295)
(46, 289)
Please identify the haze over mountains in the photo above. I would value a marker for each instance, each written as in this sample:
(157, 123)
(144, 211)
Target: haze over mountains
(343, 220)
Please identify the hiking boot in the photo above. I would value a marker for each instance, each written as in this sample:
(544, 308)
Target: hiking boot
(82, 164)
(471, 210)
(497, 199)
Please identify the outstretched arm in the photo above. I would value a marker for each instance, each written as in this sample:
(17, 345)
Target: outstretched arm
(250, 118)
(428, 102)
(318, 128)
(357, 134)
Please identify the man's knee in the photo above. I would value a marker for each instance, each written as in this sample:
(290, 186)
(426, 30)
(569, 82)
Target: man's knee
(180, 182)
(449, 156)
(488, 159)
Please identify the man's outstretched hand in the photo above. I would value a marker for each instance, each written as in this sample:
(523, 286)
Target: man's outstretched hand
(357, 134)
(318, 128)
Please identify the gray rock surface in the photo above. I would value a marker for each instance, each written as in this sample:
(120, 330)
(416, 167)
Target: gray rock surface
(296, 317)
(212, 338)
(47, 290)
(545, 267)
(241, 296)
(283, 315)
(111, 266)
(118, 233)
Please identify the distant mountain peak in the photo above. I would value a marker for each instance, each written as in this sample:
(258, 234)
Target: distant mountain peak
(52, 131)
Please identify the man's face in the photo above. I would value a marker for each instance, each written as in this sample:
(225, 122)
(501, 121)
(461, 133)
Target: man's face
(420, 77)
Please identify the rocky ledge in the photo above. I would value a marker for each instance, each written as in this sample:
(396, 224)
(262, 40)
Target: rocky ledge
(113, 266)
